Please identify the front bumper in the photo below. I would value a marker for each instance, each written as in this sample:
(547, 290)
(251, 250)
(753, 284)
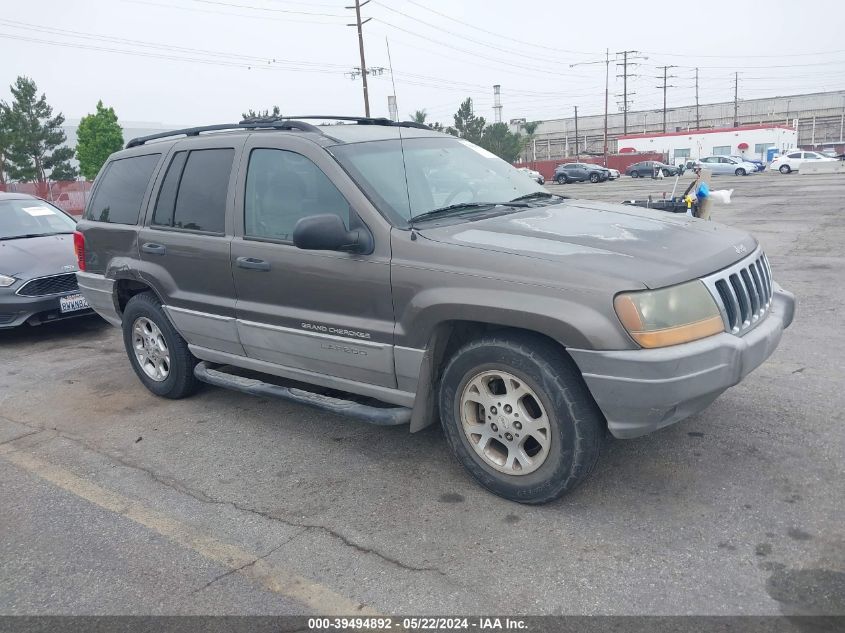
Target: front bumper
(15, 310)
(640, 391)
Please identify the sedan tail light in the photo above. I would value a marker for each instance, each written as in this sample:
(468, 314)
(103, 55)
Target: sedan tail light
(79, 249)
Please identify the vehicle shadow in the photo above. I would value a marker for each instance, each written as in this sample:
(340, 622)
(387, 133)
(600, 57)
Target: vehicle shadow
(47, 332)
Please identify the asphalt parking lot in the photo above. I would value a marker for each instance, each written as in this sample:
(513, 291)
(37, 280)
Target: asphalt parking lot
(114, 501)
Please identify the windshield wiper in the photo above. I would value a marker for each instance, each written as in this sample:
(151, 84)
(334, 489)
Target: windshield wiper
(26, 235)
(534, 196)
(461, 206)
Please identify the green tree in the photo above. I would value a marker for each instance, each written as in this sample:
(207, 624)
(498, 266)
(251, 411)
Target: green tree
(276, 113)
(419, 116)
(467, 125)
(499, 140)
(34, 145)
(98, 136)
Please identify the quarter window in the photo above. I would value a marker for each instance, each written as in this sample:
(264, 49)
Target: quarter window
(121, 191)
(283, 187)
(193, 194)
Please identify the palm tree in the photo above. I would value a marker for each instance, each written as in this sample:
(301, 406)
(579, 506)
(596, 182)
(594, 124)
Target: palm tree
(419, 116)
(530, 127)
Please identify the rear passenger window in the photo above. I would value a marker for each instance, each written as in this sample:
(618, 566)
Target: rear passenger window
(121, 191)
(193, 194)
(281, 188)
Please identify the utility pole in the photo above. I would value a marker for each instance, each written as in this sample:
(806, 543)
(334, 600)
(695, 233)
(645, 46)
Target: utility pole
(736, 99)
(665, 86)
(359, 24)
(577, 153)
(697, 119)
(625, 63)
(606, 63)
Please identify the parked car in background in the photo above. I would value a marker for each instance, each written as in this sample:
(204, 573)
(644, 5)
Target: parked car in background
(37, 263)
(579, 172)
(650, 168)
(792, 161)
(536, 176)
(614, 173)
(723, 165)
(759, 164)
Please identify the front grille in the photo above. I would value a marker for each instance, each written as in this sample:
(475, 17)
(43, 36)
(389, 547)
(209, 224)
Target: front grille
(54, 285)
(743, 292)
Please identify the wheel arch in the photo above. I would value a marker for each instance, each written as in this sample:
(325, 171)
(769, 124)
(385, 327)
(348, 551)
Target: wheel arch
(446, 338)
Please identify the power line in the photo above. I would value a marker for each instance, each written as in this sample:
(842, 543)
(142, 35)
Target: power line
(665, 85)
(359, 24)
(625, 63)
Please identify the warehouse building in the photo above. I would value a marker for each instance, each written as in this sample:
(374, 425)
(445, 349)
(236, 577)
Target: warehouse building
(818, 118)
(750, 141)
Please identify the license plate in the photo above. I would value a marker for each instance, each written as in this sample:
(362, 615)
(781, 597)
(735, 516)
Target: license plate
(72, 303)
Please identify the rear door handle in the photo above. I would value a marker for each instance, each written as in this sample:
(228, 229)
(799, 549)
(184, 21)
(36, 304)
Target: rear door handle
(152, 248)
(252, 263)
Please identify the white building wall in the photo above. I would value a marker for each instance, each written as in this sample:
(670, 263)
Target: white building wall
(700, 144)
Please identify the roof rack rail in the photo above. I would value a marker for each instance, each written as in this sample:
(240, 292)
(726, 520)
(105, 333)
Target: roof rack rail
(362, 120)
(277, 123)
(248, 124)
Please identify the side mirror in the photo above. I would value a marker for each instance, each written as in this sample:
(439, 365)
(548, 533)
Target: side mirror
(326, 232)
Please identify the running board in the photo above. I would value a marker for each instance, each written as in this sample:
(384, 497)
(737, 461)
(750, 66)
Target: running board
(381, 416)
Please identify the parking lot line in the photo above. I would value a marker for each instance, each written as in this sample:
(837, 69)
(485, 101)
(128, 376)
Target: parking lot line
(314, 595)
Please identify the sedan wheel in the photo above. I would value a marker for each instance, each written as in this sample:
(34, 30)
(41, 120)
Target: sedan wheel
(561, 180)
(594, 178)
(635, 174)
(785, 169)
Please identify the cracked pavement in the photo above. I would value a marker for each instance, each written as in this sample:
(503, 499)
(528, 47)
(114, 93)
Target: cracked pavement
(229, 503)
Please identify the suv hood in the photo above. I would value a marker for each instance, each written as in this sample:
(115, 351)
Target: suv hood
(632, 244)
(30, 257)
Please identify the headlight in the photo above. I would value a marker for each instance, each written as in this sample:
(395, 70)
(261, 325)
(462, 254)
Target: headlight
(6, 281)
(669, 316)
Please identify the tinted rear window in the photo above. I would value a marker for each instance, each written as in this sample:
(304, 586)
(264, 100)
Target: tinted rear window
(201, 201)
(121, 191)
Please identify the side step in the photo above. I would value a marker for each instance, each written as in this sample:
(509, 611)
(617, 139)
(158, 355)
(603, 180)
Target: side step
(381, 416)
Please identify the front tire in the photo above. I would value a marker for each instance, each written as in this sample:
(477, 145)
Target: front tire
(740, 172)
(635, 174)
(561, 180)
(519, 418)
(159, 355)
(594, 178)
(785, 169)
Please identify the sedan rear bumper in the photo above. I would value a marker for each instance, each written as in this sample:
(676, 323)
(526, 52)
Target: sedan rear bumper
(640, 391)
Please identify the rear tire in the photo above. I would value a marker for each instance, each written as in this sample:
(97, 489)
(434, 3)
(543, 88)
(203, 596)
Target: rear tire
(785, 169)
(157, 352)
(740, 172)
(485, 387)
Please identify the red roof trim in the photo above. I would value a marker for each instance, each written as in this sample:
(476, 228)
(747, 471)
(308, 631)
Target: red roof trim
(708, 131)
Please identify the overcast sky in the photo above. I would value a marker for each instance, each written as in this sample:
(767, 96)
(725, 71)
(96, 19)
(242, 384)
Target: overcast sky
(206, 61)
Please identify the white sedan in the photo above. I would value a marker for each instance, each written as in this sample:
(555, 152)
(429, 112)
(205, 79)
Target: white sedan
(726, 165)
(792, 161)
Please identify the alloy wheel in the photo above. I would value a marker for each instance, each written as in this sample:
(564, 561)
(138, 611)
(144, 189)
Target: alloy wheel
(505, 422)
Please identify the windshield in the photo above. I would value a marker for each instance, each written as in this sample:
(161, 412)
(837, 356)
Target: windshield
(31, 217)
(438, 172)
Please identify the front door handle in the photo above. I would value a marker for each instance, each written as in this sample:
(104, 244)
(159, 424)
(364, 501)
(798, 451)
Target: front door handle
(252, 263)
(152, 248)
